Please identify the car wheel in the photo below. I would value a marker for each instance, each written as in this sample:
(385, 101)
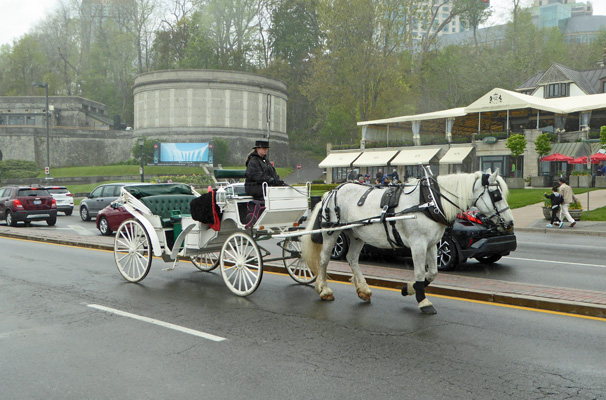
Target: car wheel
(84, 214)
(10, 219)
(51, 221)
(447, 254)
(491, 259)
(104, 227)
(340, 249)
(68, 212)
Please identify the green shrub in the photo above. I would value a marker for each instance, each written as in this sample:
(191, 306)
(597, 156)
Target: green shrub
(193, 179)
(18, 169)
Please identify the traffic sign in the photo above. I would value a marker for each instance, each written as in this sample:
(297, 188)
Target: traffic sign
(298, 166)
(47, 170)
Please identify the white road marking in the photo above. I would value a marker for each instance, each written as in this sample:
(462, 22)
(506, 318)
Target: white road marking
(159, 323)
(556, 262)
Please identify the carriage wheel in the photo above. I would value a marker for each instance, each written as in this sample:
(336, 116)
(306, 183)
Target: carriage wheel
(241, 264)
(132, 250)
(294, 264)
(206, 262)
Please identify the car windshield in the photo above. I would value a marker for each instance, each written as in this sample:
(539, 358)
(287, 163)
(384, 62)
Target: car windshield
(33, 192)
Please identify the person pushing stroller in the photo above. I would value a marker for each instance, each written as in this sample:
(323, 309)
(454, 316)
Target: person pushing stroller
(556, 199)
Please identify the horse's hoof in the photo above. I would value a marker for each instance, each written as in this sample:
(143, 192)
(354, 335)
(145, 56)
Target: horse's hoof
(426, 307)
(328, 297)
(365, 296)
(428, 310)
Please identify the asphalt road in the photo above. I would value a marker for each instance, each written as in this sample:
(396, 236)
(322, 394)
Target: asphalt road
(561, 260)
(62, 337)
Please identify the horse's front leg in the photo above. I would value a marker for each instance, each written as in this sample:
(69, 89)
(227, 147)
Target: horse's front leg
(353, 256)
(419, 258)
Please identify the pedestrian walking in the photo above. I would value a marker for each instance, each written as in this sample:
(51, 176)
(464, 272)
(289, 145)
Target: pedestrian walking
(556, 199)
(567, 198)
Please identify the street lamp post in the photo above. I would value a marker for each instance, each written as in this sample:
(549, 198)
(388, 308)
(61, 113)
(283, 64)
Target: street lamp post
(141, 143)
(45, 86)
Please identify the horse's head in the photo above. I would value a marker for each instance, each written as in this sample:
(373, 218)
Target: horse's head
(490, 192)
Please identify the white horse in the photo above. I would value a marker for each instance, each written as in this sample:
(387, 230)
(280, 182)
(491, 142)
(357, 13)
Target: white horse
(457, 192)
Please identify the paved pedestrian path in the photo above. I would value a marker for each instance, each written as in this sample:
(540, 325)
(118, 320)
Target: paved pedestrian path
(575, 301)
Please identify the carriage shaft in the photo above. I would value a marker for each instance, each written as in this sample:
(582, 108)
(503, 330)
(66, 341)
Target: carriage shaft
(344, 227)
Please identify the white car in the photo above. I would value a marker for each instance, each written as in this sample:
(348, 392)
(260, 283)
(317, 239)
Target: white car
(64, 199)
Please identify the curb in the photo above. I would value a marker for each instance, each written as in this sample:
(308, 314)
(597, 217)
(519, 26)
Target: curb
(561, 231)
(531, 302)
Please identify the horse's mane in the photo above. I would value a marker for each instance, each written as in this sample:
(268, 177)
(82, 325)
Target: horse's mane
(458, 188)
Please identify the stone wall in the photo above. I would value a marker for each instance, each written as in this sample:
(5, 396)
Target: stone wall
(68, 147)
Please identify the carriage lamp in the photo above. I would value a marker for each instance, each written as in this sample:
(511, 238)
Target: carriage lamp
(221, 198)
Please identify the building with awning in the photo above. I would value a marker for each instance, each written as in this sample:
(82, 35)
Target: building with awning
(570, 105)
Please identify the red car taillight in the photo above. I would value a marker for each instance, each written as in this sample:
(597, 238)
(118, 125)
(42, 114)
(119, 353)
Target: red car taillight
(69, 194)
(54, 204)
(17, 203)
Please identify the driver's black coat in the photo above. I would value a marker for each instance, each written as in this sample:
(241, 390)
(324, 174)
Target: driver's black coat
(259, 170)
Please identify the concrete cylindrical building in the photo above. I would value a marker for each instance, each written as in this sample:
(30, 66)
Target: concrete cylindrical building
(200, 105)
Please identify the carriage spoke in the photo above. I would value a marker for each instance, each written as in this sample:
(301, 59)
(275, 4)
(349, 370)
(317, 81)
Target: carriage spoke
(241, 264)
(295, 266)
(132, 251)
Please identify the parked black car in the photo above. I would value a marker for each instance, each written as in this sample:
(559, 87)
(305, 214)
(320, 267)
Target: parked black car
(26, 204)
(472, 236)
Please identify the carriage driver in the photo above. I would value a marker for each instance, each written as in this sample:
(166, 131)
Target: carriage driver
(259, 170)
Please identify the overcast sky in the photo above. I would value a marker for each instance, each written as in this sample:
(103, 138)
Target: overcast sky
(20, 16)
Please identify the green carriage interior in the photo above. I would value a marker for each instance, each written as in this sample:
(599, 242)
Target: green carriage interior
(167, 201)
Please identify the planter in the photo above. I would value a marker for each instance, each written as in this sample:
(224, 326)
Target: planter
(515, 183)
(540, 181)
(600, 181)
(573, 181)
(576, 214)
(584, 181)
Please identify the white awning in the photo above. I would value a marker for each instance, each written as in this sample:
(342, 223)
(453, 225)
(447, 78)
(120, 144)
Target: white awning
(415, 156)
(456, 155)
(374, 158)
(339, 159)
(500, 100)
(450, 113)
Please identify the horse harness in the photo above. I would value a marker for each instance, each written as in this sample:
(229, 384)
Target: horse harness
(495, 197)
(430, 206)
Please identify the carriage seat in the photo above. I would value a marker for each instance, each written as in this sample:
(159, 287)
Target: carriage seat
(164, 205)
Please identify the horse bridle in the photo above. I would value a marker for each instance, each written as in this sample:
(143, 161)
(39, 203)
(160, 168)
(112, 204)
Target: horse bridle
(495, 196)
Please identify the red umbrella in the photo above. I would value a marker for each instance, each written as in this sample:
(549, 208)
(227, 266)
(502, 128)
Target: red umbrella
(579, 160)
(598, 157)
(557, 157)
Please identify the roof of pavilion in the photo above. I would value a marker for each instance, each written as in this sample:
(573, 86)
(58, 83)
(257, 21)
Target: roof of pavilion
(498, 100)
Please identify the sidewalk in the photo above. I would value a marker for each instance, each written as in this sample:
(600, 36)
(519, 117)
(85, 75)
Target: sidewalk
(530, 218)
(527, 219)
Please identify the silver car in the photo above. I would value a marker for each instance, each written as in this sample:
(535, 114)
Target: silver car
(99, 198)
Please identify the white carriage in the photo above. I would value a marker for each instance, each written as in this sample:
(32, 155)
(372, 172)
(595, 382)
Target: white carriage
(162, 226)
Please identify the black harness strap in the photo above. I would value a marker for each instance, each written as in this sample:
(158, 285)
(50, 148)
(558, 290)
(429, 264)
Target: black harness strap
(364, 196)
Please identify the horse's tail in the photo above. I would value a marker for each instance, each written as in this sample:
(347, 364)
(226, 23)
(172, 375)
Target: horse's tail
(310, 251)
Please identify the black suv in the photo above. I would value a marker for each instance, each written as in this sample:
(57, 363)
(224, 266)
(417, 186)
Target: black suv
(471, 236)
(26, 204)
